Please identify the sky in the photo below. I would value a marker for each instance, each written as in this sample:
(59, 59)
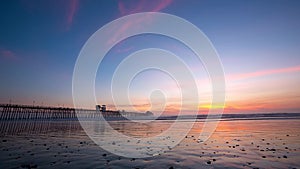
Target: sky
(257, 42)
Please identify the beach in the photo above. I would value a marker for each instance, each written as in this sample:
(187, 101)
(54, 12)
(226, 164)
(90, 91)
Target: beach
(234, 144)
(150, 84)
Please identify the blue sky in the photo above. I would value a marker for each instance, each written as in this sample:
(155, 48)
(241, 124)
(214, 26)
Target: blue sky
(40, 42)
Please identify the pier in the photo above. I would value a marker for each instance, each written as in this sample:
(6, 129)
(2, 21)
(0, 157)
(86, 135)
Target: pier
(26, 112)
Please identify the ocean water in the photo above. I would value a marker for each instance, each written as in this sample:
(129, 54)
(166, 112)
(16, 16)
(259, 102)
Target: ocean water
(271, 143)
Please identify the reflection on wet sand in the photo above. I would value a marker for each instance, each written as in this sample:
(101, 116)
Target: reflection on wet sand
(32, 127)
(40, 127)
(234, 144)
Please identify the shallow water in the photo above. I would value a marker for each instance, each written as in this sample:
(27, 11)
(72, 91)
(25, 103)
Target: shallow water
(234, 144)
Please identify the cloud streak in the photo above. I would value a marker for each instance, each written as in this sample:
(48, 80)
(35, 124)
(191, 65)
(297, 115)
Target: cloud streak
(65, 10)
(8, 55)
(72, 9)
(241, 76)
(136, 7)
(142, 6)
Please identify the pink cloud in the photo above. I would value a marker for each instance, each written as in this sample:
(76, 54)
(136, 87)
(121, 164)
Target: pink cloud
(142, 6)
(8, 54)
(66, 9)
(126, 49)
(264, 73)
(135, 7)
(72, 9)
(162, 5)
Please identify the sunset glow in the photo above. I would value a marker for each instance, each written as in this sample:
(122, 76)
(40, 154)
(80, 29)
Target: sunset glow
(150, 84)
(260, 55)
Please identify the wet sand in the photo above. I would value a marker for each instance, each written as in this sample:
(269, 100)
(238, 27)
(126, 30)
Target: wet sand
(234, 144)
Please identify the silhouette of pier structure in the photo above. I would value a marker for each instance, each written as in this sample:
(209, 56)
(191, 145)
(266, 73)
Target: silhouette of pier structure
(25, 112)
(38, 127)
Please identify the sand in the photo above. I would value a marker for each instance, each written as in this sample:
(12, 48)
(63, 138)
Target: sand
(234, 144)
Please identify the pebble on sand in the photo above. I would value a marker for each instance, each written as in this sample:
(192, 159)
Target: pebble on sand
(29, 166)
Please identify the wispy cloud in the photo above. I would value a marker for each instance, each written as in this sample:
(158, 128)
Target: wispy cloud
(134, 7)
(66, 10)
(142, 6)
(265, 105)
(124, 49)
(241, 76)
(8, 55)
(71, 11)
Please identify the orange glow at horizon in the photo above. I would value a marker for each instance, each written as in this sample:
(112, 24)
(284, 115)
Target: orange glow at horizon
(258, 92)
(274, 90)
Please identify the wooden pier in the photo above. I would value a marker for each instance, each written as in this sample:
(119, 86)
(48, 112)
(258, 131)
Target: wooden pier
(26, 112)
